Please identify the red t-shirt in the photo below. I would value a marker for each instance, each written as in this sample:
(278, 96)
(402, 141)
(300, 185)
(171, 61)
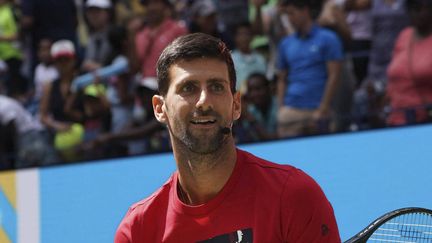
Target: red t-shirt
(261, 202)
(151, 42)
(410, 77)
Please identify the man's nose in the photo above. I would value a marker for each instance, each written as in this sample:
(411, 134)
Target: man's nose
(204, 101)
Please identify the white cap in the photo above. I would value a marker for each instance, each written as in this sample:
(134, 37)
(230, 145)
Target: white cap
(105, 4)
(62, 48)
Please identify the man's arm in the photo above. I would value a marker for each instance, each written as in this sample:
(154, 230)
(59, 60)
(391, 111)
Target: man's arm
(281, 86)
(333, 79)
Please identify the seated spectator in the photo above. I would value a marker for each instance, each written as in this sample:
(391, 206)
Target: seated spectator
(259, 111)
(159, 31)
(309, 62)
(23, 141)
(246, 60)
(55, 20)
(9, 51)
(204, 19)
(63, 125)
(98, 49)
(94, 110)
(45, 71)
(144, 133)
(410, 75)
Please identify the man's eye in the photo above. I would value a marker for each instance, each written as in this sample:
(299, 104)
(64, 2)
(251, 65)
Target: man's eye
(217, 87)
(188, 88)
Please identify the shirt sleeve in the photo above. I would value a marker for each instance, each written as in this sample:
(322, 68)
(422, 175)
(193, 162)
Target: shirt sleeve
(307, 215)
(123, 233)
(333, 50)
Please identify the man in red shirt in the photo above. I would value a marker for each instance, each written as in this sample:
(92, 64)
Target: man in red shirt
(219, 193)
(159, 31)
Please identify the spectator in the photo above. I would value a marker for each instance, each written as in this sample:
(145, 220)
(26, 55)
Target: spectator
(246, 60)
(273, 23)
(98, 49)
(144, 133)
(360, 22)
(54, 20)
(65, 127)
(232, 13)
(95, 113)
(259, 111)
(388, 19)
(27, 141)
(410, 75)
(204, 19)
(45, 71)
(159, 31)
(9, 50)
(333, 17)
(310, 64)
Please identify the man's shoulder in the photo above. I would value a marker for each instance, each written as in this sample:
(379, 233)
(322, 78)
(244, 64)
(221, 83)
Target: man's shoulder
(155, 201)
(326, 34)
(287, 39)
(267, 167)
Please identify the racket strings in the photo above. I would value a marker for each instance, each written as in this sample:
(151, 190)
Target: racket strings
(411, 227)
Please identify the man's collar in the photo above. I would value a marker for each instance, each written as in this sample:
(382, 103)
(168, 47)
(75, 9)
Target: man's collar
(309, 34)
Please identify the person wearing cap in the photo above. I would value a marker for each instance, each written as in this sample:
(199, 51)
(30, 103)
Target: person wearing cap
(159, 31)
(204, 19)
(56, 94)
(98, 49)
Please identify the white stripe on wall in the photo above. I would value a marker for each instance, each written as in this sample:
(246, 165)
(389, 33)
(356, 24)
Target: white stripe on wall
(28, 215)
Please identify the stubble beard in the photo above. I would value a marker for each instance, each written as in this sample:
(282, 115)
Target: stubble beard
(200, 144)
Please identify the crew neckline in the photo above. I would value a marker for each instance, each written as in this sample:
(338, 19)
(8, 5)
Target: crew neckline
(206, 208)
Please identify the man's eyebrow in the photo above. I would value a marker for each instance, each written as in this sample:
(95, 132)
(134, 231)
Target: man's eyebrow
(217, 80)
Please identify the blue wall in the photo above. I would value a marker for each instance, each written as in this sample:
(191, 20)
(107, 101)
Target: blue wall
(363, 174)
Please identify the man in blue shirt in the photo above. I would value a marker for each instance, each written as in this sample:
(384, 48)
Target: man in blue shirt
(309, 63)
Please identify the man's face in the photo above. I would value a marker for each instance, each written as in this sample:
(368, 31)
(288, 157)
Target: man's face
(297, 16)
(98, 18)
(257, 91)
(156, 12)
(198, 104)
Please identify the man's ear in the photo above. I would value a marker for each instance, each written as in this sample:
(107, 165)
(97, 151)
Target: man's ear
(158, 103)
(236, 106)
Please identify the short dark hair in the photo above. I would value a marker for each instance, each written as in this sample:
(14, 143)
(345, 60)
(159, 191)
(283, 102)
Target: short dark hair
(314, 6)
(190, 47)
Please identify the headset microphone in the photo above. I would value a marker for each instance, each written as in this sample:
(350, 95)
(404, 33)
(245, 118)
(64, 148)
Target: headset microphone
(226, 130)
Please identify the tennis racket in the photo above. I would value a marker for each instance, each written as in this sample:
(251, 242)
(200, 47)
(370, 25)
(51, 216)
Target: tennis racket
(401, 225)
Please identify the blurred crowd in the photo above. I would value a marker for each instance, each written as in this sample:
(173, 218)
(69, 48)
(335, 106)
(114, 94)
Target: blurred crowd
(77, 76)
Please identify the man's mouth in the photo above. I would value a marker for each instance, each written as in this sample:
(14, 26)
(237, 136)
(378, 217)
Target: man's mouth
(203, 121)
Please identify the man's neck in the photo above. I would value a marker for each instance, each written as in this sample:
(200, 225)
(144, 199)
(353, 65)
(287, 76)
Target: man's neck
(202, 177)
(306, 28)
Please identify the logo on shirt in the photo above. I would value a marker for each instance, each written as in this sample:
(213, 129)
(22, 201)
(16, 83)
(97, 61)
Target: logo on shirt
(324, 230)
(238, 236)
